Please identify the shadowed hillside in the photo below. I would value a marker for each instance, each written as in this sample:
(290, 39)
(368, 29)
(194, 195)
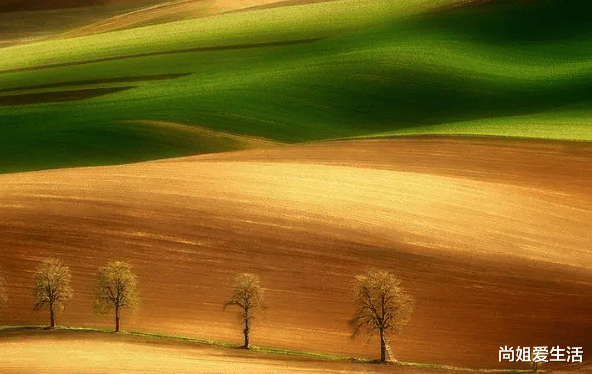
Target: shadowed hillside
(34, 5)
(497, 68)
(28, 21)
(7, 6)
(491, 237)
(516, 22)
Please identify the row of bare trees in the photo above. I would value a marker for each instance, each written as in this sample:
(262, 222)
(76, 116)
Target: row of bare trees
(115, 288)
(382, 305)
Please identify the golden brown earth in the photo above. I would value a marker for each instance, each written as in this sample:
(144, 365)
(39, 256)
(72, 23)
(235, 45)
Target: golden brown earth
(491, 236)
(28, 21)
(175, 10)
(53, 352)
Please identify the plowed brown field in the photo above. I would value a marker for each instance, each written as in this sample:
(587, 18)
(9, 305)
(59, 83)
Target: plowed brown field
(175, 10)
(491, 236)
(53, 352)
(24, 21)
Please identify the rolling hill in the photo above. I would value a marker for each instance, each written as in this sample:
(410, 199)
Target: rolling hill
(270, 140)
(371, 68)
(491, 237)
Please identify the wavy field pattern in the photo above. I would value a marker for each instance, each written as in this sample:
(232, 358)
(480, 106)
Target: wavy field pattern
(385, 67)
(306, 142)
(491, 259)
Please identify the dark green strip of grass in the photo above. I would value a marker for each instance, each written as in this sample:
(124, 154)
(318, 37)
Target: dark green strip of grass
(514, 22)
(149, 54)
(57, 97)
(141, 78)
(12, 331)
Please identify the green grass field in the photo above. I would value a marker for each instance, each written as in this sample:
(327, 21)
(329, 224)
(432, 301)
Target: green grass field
(293, 74)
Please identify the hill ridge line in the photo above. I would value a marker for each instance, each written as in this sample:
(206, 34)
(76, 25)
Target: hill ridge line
(147, 54)
(321, 356)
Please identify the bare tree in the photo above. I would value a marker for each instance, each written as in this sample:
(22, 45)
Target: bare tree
(115, 289)
(382, 306)
(248, 296)
(52, 287)
(3, 296)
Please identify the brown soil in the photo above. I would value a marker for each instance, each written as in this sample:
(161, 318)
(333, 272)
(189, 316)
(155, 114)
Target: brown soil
(39, 22)
(525, 162)
(175, 10)
(50, 352)
(73, 18)
(33, 5)
(491, 236)
(574, 368)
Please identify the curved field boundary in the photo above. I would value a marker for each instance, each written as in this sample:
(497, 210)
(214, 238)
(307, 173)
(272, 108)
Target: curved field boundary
(57, 97)
(187, 50)
(31, 349)
(491, 239)
(279, 4)
(164, 12)
(226, 141)
(140, 78)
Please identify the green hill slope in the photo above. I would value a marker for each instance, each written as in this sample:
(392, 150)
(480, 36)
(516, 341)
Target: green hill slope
(291, 74)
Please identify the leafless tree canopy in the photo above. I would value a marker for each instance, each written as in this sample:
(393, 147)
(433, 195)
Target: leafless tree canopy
(248, 296)
(382, 305)
(115, 289)
(52, 287)
(3, 296)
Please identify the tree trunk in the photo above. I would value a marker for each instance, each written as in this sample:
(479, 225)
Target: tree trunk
(117, 319)
(382, 347)
(246, 331)
(51, 317)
